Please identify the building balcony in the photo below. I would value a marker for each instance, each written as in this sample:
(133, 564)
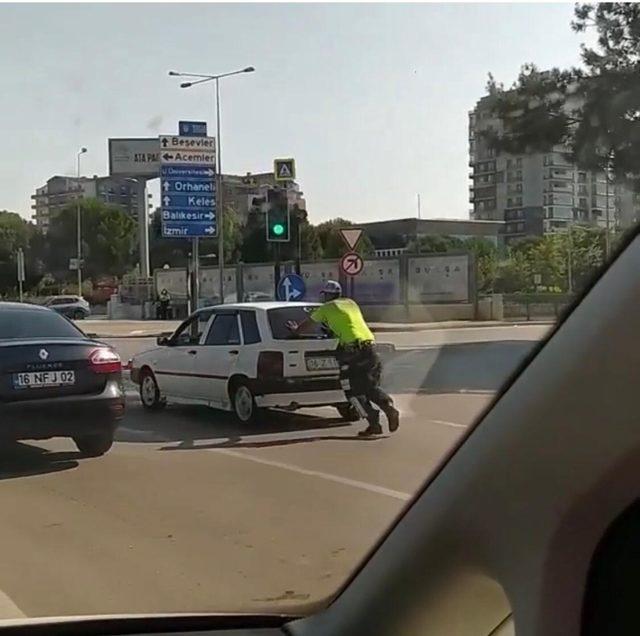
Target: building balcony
(566, 188)
(559, 174)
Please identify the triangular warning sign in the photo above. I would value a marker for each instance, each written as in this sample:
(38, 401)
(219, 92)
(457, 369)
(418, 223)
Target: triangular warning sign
(351, 236)
(284, 171)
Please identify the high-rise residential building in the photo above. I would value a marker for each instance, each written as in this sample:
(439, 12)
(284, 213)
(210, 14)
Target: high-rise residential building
(59, 191)
(538, 193)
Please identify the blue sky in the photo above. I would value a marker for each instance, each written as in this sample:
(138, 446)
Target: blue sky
(371, 100)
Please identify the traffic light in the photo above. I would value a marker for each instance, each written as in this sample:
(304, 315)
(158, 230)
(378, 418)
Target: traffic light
(278, 218)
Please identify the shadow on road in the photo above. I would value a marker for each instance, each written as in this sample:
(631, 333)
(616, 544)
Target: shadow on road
(190, 424)
(481, 366)
(18, 459)
(239, 442)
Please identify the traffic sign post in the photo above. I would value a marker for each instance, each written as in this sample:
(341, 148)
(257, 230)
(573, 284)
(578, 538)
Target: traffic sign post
(351, 236)
(192, 128)
(188, 189)
(284, 169)
(351, 264)
(291, 287)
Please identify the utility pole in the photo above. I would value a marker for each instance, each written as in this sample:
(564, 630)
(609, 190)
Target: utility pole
(419, 215)
(79, 222)
(219, 194)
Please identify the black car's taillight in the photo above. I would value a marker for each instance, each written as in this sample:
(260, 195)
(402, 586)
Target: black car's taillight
(104, 360)
(270, 365)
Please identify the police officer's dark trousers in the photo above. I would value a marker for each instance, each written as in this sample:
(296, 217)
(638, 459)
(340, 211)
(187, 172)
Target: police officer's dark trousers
(360, 364)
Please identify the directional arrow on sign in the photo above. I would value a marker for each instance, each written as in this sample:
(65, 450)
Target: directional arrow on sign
(165, 142)
(290, 291)
(166, 200)
(165, 186)
(209, 230)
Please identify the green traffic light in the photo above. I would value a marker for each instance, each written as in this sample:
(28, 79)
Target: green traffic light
(278, 229)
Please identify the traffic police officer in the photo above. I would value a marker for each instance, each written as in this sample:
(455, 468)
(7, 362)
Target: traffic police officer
(359, 361)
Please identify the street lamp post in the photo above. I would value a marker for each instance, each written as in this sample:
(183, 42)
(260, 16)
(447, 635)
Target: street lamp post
(79, 223)
(202, 79)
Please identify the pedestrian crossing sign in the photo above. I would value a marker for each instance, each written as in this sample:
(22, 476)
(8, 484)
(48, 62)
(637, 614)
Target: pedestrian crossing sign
(284, 169)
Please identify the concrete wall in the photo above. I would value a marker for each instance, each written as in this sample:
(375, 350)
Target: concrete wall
(418, 313)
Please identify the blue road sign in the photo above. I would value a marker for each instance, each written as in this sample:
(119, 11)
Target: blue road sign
(188, 229)
(186, 172)
(188, 201)
(188, 198)
(192, 128)
(291, 287)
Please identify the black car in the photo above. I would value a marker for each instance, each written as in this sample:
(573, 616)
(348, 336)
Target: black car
(55, 381)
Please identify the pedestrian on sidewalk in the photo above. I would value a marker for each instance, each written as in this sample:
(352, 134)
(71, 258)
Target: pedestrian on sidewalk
(359, 361)
(165, 304)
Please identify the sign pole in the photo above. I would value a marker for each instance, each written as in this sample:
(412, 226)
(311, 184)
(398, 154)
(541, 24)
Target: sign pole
(195, 251)
(21, 272)
(143, 228)
(219, 197)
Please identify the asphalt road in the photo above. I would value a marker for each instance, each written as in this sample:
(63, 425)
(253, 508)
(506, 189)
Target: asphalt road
(190, 512)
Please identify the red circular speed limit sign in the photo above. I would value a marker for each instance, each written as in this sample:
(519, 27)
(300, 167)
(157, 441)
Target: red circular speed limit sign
(351, 264)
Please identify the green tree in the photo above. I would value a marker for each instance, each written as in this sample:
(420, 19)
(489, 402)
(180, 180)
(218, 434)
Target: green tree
(16, 232)
(585, 247)
(514, 274)
(487, 260)
(108, 240)
(594, 111)
(435, 244)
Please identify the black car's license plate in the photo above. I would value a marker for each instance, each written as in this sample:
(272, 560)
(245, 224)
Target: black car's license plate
(43, 379)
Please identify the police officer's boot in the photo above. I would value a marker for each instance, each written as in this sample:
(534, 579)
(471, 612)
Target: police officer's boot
(373, 417)
(393, 417)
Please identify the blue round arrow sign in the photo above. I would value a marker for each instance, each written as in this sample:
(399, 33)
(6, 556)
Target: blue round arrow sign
(291, 287)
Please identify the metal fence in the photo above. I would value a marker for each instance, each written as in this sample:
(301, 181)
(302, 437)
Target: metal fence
(535, 306)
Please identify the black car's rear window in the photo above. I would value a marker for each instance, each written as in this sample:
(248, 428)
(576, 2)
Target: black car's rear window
(19, 323)
(278, 319)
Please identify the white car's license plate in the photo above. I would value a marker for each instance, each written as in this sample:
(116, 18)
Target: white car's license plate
(43, 379)
(324, 363)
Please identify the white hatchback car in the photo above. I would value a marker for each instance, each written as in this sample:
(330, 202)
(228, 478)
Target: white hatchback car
(243, 358)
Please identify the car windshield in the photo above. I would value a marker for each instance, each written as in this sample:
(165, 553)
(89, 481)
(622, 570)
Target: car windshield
(184, 182)
(19, 324)
(280, 318)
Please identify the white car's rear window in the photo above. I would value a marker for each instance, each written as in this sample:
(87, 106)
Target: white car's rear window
(278, 319)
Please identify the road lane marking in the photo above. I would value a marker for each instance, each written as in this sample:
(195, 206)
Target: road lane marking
(446, 423)
(8, 609)
(380, 490)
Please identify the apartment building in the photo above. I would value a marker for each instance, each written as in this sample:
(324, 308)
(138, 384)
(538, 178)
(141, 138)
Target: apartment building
(239, 191)
(539, 193)
(60, 191)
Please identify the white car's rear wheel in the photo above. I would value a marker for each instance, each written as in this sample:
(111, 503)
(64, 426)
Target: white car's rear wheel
(244, 404)
(150, 392)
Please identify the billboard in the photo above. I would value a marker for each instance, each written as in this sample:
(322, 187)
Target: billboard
(135, 157)
(438, 279)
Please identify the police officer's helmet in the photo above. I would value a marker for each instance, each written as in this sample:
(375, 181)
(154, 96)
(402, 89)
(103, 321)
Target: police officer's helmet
(331, 290)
